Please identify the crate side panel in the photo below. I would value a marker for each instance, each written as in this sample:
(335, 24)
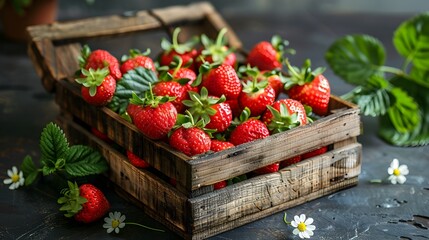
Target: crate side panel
(270, 190)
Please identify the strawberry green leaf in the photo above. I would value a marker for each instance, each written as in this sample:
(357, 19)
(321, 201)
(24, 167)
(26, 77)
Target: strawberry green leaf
(356, 57)
(29, 170)
(420, 76)
(138, 81)
(53, 145)
(83, 161)
(411, 40)
(404, 113)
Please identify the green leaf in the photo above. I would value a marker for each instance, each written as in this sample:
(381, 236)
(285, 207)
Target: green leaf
(404, 113)
(29, 170)
(356, 57)
(30, 178)
(138, 81)
(411, 40)
(48, 170)
(420, 134)
(53, 144)
(420, 76)
(84, 161)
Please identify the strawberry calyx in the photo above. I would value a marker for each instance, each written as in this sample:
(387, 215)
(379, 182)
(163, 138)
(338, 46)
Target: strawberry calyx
(200, 105)
(84, 54)
(282, 120)
(301, 76)
(168, 46)
(176, 64)
(216, 49)
(150, 99)
(72, 201)
(253, 87)
(188, 120)
(280, 45)
(244, 116)
(135, 53)
(93, 78)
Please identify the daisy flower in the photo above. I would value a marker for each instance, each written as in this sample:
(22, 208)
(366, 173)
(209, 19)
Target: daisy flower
(303, 227)
(397, 172)
(114, 222)
(16, 178)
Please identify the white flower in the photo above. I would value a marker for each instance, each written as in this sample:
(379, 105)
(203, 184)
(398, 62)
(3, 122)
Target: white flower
(115, 221)
(397, 173)
(16, 179)
(303, 227)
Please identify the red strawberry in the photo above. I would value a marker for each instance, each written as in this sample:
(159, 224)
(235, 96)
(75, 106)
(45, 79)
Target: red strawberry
(267, 169)
(249, 129)
(256, 96)
(100, 135)
(190, 138)
(219, 185)
(155, 116)
(85, 203)
(221, 80)
(99, 59)
(275, 80)
(137, 59)
(98, 87)
(185, 51)
(268, 55)
(290, 161)
(184, 73)
(172, 89)
(309, 87)
(216, 51)
(136, 160)
(314, 153)
(218, 145)
(235, 107)
(284, 115)
(215, 112)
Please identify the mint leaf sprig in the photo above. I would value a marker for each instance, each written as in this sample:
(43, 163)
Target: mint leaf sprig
(392, 93)
(57, 157)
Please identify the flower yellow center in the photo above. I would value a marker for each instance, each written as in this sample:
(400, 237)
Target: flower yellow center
(396, 172)
(115, 223)
(302, 227)
(15, 178)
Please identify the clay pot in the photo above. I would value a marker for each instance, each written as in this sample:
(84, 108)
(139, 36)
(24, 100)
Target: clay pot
(39, 12)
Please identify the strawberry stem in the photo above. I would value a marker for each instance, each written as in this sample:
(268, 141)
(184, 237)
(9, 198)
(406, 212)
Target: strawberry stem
(219, 39)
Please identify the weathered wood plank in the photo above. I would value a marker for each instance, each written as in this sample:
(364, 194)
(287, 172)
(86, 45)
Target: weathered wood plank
(42, 53)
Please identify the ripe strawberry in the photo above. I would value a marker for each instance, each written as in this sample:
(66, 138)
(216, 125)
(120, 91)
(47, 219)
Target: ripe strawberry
(309, 87)
(221, 80)
(155, 116)
(267, 169)
(283, 115)
(275, 80)
(235, 107)
(100, 135)
(172, 89)
(137, 59)
(314, 153)
(216, 51)
(187, 74)
(248, 129)
(256, 96)
(98, 87)
(99, 59)
(136, 160)
(85, 203)
(290, 161)
(213, 110)
(190, 138)
(218, 145)
(219, 185)
(268, 55)
(185, 51)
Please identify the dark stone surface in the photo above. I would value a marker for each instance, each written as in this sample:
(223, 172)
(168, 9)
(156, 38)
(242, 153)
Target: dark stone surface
(367, 211)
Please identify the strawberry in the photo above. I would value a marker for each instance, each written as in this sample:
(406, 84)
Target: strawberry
(187, 74)
(221, 80)
(219, 185)
(98, 86)
(137, 59)
(309, 87)
(215, 112)
(86, 203)
(136, 160)
(172, 89)
(268, 55)
(218, 145)
(185, 50)
(155, 116)
(314, 153)
(189, 137)
(267, 169)
(216, 51)
(290, 161)
(256, 95)
(275, 80)
(99, 59)
(235, 107)
(283, 115)
(100, 135)
(248, 129)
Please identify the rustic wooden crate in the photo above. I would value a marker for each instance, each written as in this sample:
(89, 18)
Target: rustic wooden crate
(192, 208)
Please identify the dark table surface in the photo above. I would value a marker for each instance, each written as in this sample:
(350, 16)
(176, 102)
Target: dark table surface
(367, 211)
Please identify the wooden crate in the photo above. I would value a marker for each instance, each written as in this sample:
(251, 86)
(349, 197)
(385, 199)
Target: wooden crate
(192, 208)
